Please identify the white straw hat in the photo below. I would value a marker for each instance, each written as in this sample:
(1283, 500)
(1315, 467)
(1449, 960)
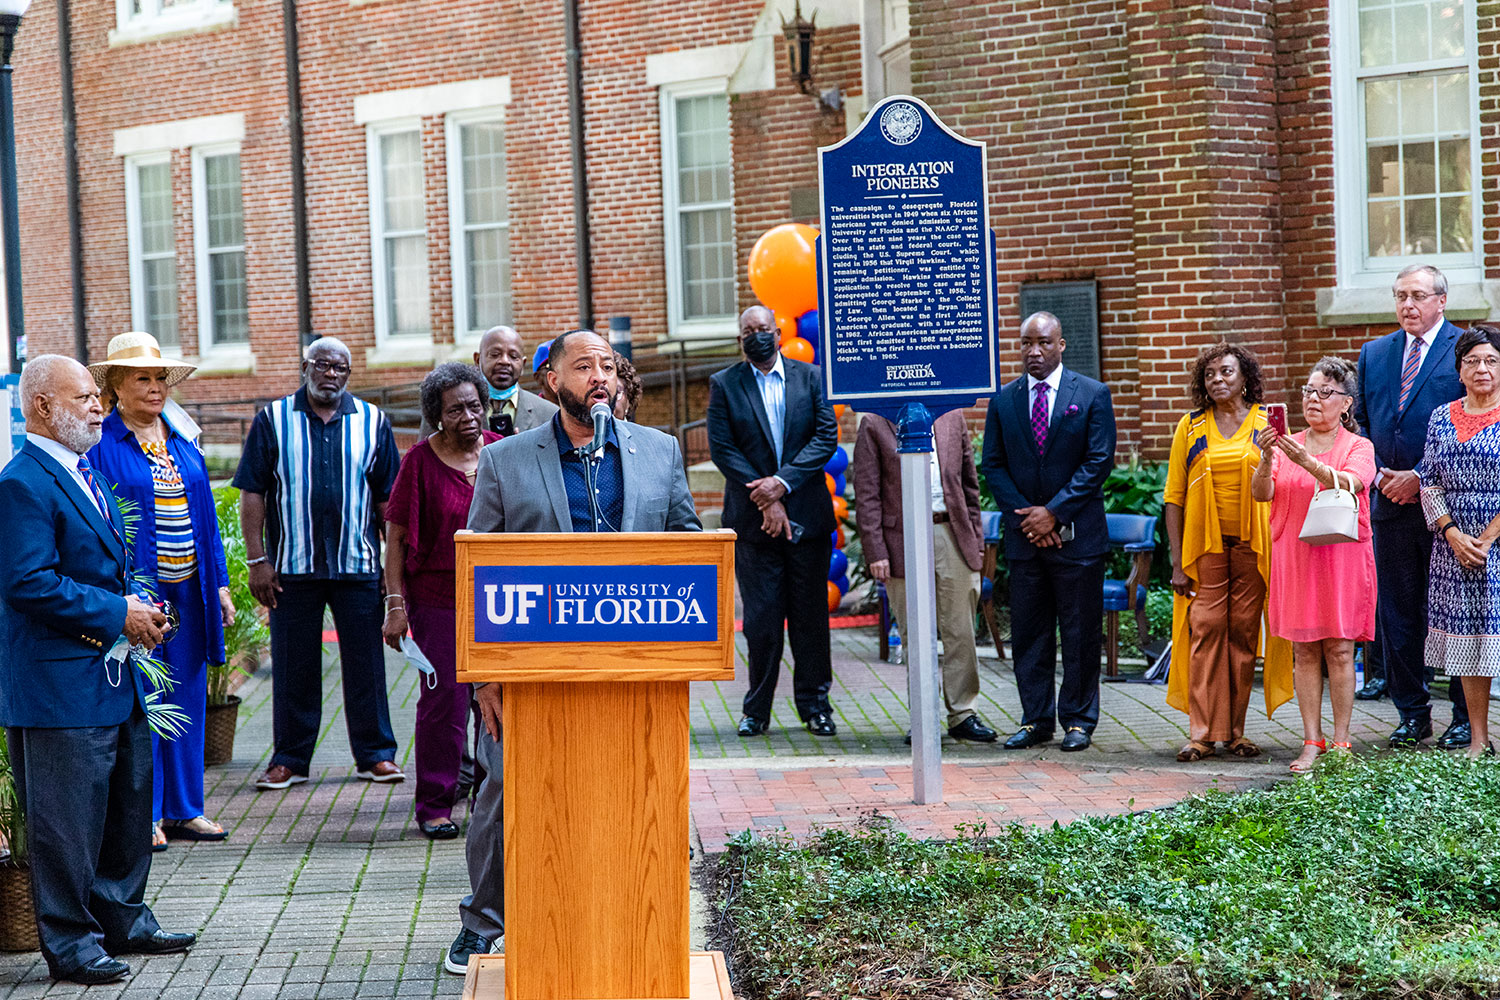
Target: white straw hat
(138, 350)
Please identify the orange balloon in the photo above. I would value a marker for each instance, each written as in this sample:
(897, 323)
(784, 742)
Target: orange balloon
(840, 508)
(833, 488)
(838, 410)
(834, 597)
(838, 543)
(787, 325)
(797, 349)
(784, 269)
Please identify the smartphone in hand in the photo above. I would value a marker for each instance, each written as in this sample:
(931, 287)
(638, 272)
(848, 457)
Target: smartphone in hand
(1276, 416)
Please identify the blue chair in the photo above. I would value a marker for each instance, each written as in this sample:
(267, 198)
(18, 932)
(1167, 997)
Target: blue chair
(989, 523)
(1134, 533)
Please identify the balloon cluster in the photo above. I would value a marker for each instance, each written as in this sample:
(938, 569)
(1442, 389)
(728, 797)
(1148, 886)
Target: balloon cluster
(784, 276)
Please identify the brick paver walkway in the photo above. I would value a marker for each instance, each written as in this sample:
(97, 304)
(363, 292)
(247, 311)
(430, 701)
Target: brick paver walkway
(328, 890)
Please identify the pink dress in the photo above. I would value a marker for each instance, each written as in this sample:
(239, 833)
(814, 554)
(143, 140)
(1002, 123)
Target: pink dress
(1321, 591)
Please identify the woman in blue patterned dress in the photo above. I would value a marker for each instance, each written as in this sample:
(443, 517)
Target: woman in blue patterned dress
(1460, 475)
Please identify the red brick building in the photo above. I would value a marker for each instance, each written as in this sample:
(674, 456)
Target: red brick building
(1252, 169)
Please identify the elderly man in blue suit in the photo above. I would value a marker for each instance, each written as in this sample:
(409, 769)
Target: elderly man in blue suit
(1049, 443)
(75, 722)
(1403, 377)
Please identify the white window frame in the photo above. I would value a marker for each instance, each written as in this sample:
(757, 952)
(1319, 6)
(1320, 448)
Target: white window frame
(134, 242)
(1351, 216)
(458, 247)
(154, 20)
(375, 175)
(680, 329)
(203, 274)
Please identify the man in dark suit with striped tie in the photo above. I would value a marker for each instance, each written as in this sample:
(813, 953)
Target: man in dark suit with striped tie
(1403, 377)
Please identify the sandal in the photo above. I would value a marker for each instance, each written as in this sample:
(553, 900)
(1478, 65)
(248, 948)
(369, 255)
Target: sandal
(1336, 745)
(1196, 750)
(1242, 747)
(158, 839)
(197, 828)
(1297, 768)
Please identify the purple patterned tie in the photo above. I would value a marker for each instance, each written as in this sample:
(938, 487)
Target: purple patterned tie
(87, 472)
(1039, 417)
(1409, 372)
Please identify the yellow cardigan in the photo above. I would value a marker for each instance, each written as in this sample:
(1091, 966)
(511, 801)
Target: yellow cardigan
(1202, 533)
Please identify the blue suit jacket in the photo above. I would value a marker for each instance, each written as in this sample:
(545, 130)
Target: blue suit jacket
(62, 602)
(1400, 434)
(1067, 478)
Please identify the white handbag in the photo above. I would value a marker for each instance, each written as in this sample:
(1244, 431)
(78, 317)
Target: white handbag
(1332, 517)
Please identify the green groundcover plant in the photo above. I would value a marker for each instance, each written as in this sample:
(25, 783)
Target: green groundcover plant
(1376, 877)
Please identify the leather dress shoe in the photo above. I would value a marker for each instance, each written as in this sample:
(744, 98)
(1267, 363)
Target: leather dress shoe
(821, 724)
(1374, 690)
(973, 730)
(1076, 738)
(750, 726)
(101, 970)
(1028, 736)
(1455, 737)
(158, 943)
(1410, 733)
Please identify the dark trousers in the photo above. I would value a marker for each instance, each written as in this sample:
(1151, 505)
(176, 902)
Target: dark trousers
(483, 909)
(1403, 552)
(782, 583)
(1049, 594)
(297, 670)
(88, 830)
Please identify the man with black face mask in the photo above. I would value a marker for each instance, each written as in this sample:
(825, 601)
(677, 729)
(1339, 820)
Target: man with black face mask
(770, 432)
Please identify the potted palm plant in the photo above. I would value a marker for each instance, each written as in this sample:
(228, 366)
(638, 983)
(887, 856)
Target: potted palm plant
(243, 641)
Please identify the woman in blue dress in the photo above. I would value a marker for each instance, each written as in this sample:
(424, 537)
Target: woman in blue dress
(176, 551)
(1460, 475)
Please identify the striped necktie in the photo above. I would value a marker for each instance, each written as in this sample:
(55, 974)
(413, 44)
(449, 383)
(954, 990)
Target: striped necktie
(1409, 372)
(87, 472)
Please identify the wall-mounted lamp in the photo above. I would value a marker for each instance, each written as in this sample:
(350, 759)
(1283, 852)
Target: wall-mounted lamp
(799, 46)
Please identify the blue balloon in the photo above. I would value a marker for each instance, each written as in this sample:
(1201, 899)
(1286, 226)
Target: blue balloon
(838, 565)
(833, 538)
(839, 485)
(807, 327)
(838, 463)
(843, 584)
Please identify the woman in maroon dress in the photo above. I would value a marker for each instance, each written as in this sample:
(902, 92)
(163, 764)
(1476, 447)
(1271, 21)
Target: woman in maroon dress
(429, 503)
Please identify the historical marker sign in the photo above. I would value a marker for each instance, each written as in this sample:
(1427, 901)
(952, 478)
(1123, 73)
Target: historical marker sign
(906, 273)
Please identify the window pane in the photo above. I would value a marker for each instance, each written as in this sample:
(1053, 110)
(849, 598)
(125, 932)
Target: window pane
(707, 263)
(703, 149)
(1457, 234)
(1384, 162)
(1451, 93)
(1416, 106)
(489, 278)
(1417, 168)
(406, 283)
(221, 186)
(1453, 165)
(483, 152)
(1376, 38)
(1381, 120)
(1414, 42)
(1421, 225)
(1448, 30)
(231, 311)
(1385, 229)
(401, 175)
(159, 278)
(155, 185)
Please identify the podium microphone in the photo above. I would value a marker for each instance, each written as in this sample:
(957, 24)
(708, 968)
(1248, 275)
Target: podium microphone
(602, 416)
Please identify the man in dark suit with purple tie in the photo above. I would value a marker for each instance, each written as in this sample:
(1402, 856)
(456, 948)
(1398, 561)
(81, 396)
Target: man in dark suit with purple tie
(1403, 377)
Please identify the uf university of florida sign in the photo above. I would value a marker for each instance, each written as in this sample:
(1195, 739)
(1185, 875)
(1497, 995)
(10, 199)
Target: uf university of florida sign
(619, 604)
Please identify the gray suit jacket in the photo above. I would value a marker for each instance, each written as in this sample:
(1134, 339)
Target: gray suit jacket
(532, 411)
(520, 485)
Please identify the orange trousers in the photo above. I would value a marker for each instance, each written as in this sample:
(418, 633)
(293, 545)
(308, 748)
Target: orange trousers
(1224, 622)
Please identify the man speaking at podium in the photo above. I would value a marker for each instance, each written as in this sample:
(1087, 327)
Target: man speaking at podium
(573, 474)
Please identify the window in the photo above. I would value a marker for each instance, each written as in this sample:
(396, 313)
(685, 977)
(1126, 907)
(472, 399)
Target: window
(219, 249)
(143, 18)
(480, 220)
(895, 50)
(698, 203)
(152, 247)
(398, 219)
(1409, 158)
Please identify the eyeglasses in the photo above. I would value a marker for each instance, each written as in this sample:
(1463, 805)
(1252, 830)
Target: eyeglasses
(1415, 298)
(1488, 361)
(1322, 392)
(324, 367)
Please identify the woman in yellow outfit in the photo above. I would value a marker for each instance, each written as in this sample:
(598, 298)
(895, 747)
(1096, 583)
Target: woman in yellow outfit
(1221, 558)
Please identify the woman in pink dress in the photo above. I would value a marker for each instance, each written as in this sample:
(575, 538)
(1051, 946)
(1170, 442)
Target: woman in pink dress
(1321, 597)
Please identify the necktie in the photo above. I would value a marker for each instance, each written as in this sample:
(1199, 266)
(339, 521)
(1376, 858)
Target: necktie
(1409, 372)
(1039, 417)
(87, 472)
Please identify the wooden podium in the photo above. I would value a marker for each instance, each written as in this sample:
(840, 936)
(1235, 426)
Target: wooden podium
(596, 770)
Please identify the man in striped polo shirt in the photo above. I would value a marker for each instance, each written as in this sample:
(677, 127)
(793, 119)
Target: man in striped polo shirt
(317, 468)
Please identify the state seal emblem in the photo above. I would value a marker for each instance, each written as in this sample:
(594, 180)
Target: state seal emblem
(900, 123)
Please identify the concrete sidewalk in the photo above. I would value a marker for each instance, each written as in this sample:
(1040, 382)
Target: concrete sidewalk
(329, 890)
